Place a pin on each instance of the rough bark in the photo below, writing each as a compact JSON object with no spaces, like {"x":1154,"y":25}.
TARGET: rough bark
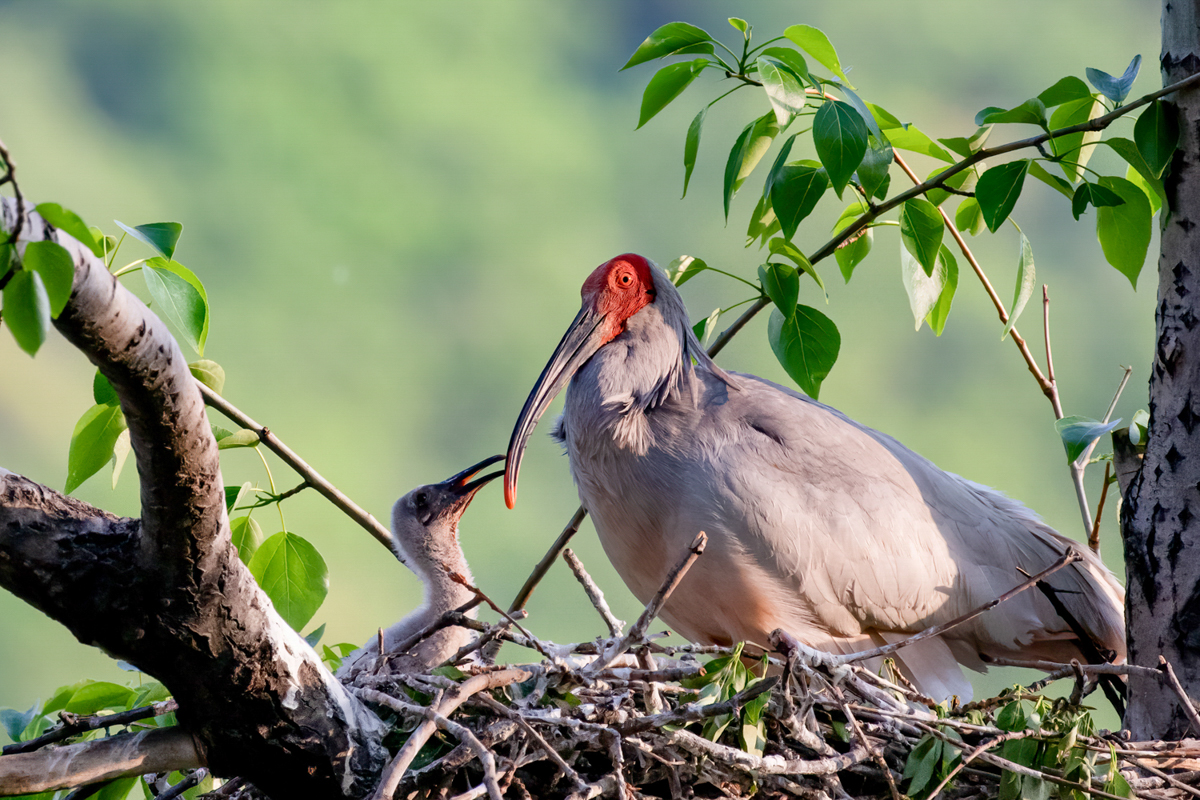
{"x":168,"y":592}
{"x":1161,"y":515}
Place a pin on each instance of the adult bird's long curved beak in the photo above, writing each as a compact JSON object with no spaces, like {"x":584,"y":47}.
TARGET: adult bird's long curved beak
{"x":579,"y":343}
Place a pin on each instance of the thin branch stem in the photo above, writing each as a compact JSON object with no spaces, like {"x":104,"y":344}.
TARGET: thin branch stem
{"x":593,"y":592}
{"x":1094,"y":536}
{"x":298,"y":465}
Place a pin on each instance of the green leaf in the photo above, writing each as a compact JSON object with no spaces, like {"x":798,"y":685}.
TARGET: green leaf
{"x":782,"y":247}
{"x":27,"y":310}
{"x":937,"y":316}
{"x":102,"y":390}
{"x":120,"y":788}
{"x":921,"y":230}
{"x":241,"y":438}
{"x":667,"y":84}
{"x":1115,"y":89}
{"x":162,"y":236}
{"x":963,"y":180}
{"x":921,"y":763}
{"x":1075,"y":149}
{"x":783,"y":89}
{"x":753,"y":142}
{"x":806,"y":344}
{"x":1135,"y":177}
{"x":998,"y":190}
{"x":1156,"y":134}
{"x":1012,"y":717}
{"x":691,"y":146}
{"x":781,"y":283}
{"x":234,"y":495}
{"x":909,"y":137}
{"x":1124,"y":230}
{"x":210,"y":373}
{"x":1068,"y":89}
{"x":790,"y":59}
{"x":851,"y":253}
{"x":668,"y":40}
{"x":1127,"y":150}
{"x":740,"y":24}
{"x":294,"y":576}
{"x":1053,"y":181}
{"x":684,"y":268}
{"x":1026,"y":278}
{"x":967,"y":146}
{"x":925,"y":291}
{"x":314,"y":638}
{"x":780,"y":162}
{"x":817,"y":45}
{"x":840,"y":137}
{"x":180,"y":298}
{"x":795,"y":194}
{"x":705,"y":327}
{"x":93,"y":697}
{"x":247,"y":537}
{"x":92,"y":443}
{"x":1095,"y":195}
{"x":1077,"y":433}
{"x":763,"y":223}
{"x":1031,"y":112}
{"x":69,"y":222}
{"x":873,"y":171}
{"x":969,"y":217}
{"x":121,"y":449}
{"x":54,"y":264}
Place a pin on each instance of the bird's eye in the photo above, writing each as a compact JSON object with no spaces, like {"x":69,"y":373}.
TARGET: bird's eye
{"x":421,"y":500}
{"x":626,"y":279}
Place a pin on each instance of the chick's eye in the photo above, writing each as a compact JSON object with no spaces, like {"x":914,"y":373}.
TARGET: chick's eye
{"x":421,"y":500}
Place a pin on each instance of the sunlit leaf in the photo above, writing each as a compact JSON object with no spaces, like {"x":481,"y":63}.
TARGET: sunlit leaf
{"x":1124,"y":231}
{"x":247,"y":537}
{"x":92,"y":443}
{"x":1031,"y":112}
{"x":1127,"y":150}
{"x":667,"y":40}
{"x":179,"y":298}
{"x":806,"y":345}
{"x":1068,"y":89}
{"x":924,"y":291}
{"x":782,"y":247}
{"x":27,"y":310}
{"x":684,"y":268}
{"x":691,"y":146}
{"x":1026,"y":279}
{"x":235,"y":494}
{"x":210,"y":373}
{"x":937,"y":316}
{"x":69,"y":222}
{"x":121,"y":449}
{"x":54,"y":264}
{"x":162,"y":236}
{"x":102,"y":390}
{"x":968,"y":217}
{"x":667,"y":84}
{"x":1056,"y":183}
{"x":783,"y":89}
{"x":293,"y":574}
{"x":753,"y":142}
{"x":1075,"y":149}
{"x":99,"y":695}
{"x":790,"y":59}
{"x":817,"y":44}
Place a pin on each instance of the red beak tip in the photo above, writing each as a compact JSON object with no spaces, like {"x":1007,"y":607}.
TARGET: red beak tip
{"x":510,"y":495}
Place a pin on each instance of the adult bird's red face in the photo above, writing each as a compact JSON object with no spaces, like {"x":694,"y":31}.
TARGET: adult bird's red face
{"x":612,"y":294}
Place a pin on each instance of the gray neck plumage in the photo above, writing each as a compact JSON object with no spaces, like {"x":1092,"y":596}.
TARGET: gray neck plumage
{"x":656,"y":360}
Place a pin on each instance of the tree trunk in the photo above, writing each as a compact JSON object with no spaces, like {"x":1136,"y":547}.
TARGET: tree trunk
{"x":1161,"y":516}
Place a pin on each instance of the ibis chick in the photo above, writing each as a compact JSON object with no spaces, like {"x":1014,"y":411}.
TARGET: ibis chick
{"x":425,"y":530}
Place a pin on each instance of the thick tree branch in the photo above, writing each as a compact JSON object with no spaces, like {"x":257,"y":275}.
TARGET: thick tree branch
{"x":170,"y":594}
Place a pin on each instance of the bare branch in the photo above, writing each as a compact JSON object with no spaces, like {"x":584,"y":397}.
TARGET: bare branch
{"x":158,"y":750}
{"x":593,"y":592}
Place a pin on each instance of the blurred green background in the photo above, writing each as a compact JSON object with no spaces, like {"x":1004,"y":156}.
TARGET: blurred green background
{"x":393,"y":206}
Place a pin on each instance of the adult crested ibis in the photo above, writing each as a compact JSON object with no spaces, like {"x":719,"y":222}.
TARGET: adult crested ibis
{"x":425,"y":524}
{"x":820,"y":526}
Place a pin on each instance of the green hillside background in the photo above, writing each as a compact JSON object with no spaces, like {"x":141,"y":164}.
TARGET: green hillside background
{"x":393,"y":206}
